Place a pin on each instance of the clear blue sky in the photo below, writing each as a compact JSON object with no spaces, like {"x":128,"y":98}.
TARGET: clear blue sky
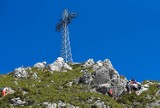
{"x":125,"y":31}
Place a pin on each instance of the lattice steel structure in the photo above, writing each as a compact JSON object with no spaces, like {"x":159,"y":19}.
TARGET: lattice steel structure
{"x":62,"y":26}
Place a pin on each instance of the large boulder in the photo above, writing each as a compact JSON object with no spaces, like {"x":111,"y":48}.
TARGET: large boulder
{"x":20,"y":72}
{"x":104,"y":74}
{"x":119,"y":87}
{"x":59,"y":65}
{"x":40,"y":65}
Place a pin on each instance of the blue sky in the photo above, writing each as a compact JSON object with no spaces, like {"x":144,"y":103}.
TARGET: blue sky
{"x":125,"y":31}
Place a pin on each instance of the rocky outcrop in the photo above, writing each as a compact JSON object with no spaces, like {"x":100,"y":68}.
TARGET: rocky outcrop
{"x":100,"y":104}
{"x":97,"y":103}
{"x":88,"y":63}
{"x":86,"y":78}
{"x":17,"y":102}
{"x":20,"y":72}
{"x":59,"y":65}
{"x":97,"y":65}
{"x":101,"y":76}
{"x":104,"y":74}
{"x":94,"y":103}
{"x":60,"y":104}
{"x":40,"y":65}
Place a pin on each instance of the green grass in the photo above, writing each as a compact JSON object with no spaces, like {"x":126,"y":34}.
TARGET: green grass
{"x":51,"y":87}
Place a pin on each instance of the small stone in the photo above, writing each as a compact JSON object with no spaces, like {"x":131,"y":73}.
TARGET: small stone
{"x":15,"y":82}
{"x":52,"y":81}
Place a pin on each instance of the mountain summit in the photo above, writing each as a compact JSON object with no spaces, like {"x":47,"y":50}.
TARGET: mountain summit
{"x":78,"y":85}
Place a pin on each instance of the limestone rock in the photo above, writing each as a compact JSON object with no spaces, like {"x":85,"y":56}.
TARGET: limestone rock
{"x":104,"y":74}
{"x":158,"y":93}
{"x":88,"y":63}
{"x":100,"y":104}
{"x":17,"y":102}
{"x":35,"y":76}
{"x":101,"y":76}
{"x":66,"y":66}
{"x":59,"y":65}
{"x":86,"y":78}
{"x":70,"y":84}
{"x":20,"y":72}
{"x":97,"y":65}
{"x":40,"y":65}
{"x":107,"y":62}
{"x":61,"y":104}
{"x":53,"y":105}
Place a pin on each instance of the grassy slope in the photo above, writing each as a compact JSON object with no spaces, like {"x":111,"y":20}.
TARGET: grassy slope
{"x":51,"y":88}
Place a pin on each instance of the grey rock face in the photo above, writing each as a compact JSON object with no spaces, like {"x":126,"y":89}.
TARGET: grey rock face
{"x":101,"y":76}
{"x":40,"y":65}
{"x":119,"y":87}
{"x":104,"y":74}
{"x":20,"y":72}
{"x":59,"y":65}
